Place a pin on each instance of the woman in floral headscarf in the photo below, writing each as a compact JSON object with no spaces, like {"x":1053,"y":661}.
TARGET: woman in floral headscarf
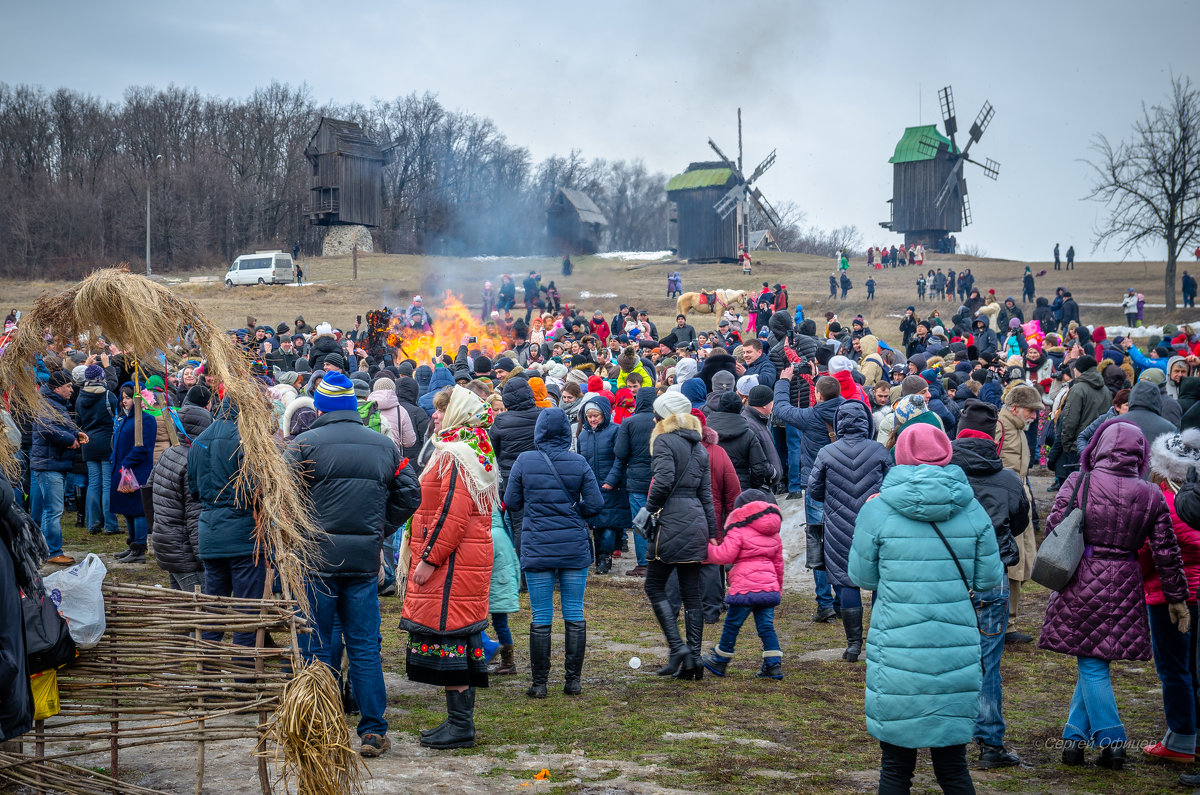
{"x":450,"y":566}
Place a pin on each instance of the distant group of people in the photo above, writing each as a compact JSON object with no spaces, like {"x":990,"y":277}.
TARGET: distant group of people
{"x":884,"y":257}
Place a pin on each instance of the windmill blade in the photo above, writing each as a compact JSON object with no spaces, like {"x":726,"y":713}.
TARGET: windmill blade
{"x":737,"y":172}
{"x":982,"y":121}
{"x":933,"y":145}
{"x":763,"y":206}
{"x":991,"y":169}
{"x":948,"y":185}
{"x":762,"y":167}
{"x":946,"y":100}
{"x":966,"y":211}
{"x":725,"y":206}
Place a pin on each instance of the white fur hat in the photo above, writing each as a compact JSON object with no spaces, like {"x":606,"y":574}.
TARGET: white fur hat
{"x":324,"y":330}
{"x":1173,"y":454}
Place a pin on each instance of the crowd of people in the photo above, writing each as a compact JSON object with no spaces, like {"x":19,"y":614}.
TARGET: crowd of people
{"x":531,"y":458}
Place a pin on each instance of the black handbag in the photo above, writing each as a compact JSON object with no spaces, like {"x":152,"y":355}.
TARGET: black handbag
{"x":48,"y":643}
{"x":651,"y":523}
{"x":975,"y":603}
{"x":814,"y":547}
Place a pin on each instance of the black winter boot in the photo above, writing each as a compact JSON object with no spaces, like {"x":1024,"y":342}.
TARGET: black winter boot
{"x":693,"y":622}
{"x":603,"y":564}
{"x":1074,"y":752}
{"x":1112,"y":758}
{"x":459,"y":729}
{"x":137,"y":554}
{"x":670,"y":630}
{"x":716,"y":660}
{"x":772,"y":666}
{"x":852,"y":621}
{"x":574,"y":644}
{"x":81,"y":506}
{"x":539,"y":659}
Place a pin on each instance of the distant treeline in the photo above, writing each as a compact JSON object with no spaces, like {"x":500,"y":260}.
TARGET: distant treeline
{"x":75,"y":169}
{"x":226,"y":176}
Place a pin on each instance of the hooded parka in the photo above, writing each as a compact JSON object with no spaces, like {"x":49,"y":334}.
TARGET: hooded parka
{"x":681,"y":489}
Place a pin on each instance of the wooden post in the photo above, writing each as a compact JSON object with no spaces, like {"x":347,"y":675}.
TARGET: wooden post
{"x":115,"y":723}
{"x":200,"y":666}
{"x":260,"y":639}
{"x":39,"y":731}
{"x":354,"y":254}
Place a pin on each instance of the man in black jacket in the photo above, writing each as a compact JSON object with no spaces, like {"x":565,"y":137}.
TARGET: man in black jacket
{"x":511,"y":435}
{"x":632,"y":450}
{"x":759,"y":404}
{"x":1002,"y":495}
{"x":363,"y":491}
{"x":737,"y":439}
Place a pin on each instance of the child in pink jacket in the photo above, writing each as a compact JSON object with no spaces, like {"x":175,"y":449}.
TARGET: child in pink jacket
{"x":752,"y":544}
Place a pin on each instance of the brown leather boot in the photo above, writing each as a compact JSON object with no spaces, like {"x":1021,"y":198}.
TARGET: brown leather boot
{"x":506,"y":664}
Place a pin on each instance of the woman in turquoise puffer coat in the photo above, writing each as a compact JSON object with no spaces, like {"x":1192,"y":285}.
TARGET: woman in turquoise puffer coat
{"x":923,"y":672}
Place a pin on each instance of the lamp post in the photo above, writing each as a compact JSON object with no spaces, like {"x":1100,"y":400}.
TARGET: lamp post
{"x":148,"y":175}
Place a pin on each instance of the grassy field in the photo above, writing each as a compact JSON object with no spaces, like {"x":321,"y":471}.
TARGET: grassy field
{"x":392,"y":280}
{"x":634,"y":732}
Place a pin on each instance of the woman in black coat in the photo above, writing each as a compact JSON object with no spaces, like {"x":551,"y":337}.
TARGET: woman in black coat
{"x":176,"y":512}
{"x":681,"y":496}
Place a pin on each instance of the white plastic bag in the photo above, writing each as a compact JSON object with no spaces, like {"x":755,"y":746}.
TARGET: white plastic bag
{"x":76,"y":592}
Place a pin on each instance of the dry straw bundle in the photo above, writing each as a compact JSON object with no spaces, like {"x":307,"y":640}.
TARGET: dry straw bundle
{"x":308,"y":731}
{"x":143,"y":317}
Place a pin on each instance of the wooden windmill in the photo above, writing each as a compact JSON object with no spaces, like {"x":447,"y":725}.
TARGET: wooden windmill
{"x":712,"y":201}
{"x":929,"y":191}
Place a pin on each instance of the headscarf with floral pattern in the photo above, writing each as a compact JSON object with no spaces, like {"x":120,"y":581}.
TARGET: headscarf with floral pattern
{"x":463,"y":442}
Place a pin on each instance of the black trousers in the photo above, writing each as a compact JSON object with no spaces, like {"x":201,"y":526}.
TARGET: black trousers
{"x":657,"y":574}
{"x":712,"y":592}
{"x":949,"y":766}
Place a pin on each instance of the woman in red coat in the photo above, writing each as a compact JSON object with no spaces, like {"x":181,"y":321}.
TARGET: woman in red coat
{"x":450,"y":572}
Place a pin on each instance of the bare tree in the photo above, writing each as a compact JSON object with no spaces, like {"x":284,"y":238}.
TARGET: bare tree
{"x":1151,"y":183}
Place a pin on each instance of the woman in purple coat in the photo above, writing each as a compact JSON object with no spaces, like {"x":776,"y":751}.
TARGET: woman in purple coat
{"x":1100,"y":616}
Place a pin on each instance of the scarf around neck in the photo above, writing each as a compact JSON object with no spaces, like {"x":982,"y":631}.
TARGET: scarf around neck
{"x":463,"y":442}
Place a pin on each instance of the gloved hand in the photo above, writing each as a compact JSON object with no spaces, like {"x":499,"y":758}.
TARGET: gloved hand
{"x":1180,"y":616}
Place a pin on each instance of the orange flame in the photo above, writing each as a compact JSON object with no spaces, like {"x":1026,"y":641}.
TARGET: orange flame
{"x":452,"y":322}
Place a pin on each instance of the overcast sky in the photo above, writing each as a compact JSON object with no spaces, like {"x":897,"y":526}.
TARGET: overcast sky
{"x":830,"y":85}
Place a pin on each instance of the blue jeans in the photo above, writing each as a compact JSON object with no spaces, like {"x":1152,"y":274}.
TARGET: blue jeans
{"x":764,"y":622}
{"x":99,"y":496}
{"x":1093,"y":714}
{"x":993,"y":623}
{"x":1175,"y":661}
{"x":606,"y":540}
{"x":355,"y":603}
{"x":138,"y":530}
{"x":571,"y":584}
{"x":500,"y":624}
{"x":50,"y":486}
{"x":240,"y":577}
{"x":636,"y":503}
{"x":389,"y":559}
{"x":794,"y":481}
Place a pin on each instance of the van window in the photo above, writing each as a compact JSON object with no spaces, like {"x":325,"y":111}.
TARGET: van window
{"x":234,"y":268}
{"x":256,"y":263}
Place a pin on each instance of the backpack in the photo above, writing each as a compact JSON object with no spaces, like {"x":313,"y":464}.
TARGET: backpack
{"x":373,"y":419}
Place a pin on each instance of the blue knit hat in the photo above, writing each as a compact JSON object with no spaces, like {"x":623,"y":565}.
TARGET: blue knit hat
{"x":335,"y":393}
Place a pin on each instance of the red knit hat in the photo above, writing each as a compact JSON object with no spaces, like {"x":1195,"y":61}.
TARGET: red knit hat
{"x":923,"y":444}
{"x":698,"y":414}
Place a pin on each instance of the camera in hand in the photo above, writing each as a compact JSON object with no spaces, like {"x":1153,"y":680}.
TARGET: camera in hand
{"x":472,"y":339}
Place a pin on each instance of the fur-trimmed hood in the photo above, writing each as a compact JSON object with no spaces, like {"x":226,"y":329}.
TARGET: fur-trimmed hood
{"x":1172,"y":455}
{"x":684,"y":424}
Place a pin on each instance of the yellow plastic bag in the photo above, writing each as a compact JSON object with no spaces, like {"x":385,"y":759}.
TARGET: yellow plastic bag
{"x":45,"y":694}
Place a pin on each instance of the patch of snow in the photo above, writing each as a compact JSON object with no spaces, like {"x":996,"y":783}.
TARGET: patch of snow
{"x":1118,"y":303}
{"x":584,"y":295}
{"x":634,"y":255}
{"x":495,"y":258}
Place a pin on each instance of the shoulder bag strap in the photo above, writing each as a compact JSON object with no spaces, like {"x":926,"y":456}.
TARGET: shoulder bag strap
{"x":961,"y":573}
{"x":832,"y":434}
{"x":561,"y":484}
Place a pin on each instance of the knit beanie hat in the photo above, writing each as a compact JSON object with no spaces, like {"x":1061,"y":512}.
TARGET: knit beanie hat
{"x":761,"y":396}
{"x":628,"y":359}
{"x":977,"y":416}
{"x":336,"y":360}
{"x":722,"y":381}
{"x":94,"y":373}
{"x":913,"y":385}
{"x":908,"y":407}
{"x":839,"y":364}
{"x":483,"y":365}
{"x":199,"y":395}
{"x":746,"y":383}
{"x":361,"y":388}
{"x":670,"y":403}
{"x":1085,"y":363}
{"x":79,"y":373}
{"x":336,"y":393}
{"x":578,"y":377}
{"x":383,"y":383}
{"x":504,"y":363}
{"x":59,"y":378}
{"x":405,"y":369}
{"x":823,"y":355}
{"x":923,"y":444}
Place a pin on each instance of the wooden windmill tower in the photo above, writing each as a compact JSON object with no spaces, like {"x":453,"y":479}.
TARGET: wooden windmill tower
{"x":929,"y":192}
{"x":712,"y":205}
